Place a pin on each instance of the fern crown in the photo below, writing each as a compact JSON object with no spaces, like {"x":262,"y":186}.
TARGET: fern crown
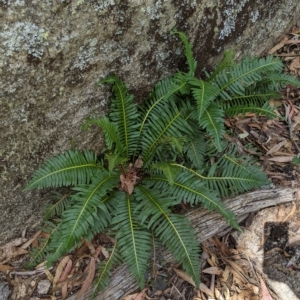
{"x":158,"y":155}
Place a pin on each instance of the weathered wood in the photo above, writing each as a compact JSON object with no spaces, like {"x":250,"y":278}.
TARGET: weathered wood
{"x":206,"y":225}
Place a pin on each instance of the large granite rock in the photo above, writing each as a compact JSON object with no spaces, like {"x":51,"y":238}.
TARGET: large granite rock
{"x":53,"y":51}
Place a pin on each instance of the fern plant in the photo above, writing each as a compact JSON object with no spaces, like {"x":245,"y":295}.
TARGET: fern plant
{"x":166,"y":151}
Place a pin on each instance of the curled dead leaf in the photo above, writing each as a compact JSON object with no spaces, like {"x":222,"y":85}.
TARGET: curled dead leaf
{"x":88,"y":280}
{"x":60,"y":269}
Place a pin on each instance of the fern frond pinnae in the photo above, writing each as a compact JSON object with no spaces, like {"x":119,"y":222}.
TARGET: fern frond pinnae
{"x":134,"y":242}
{"x":69,"y":168}
{"x":226,"y":62}
{"x":188,"y":52}
{"x":111,"y":133}
{"x":59,"y":206}
{"x":124,"y":114}
{"x":173,"y":230}
{"x":78,"y":221}
{"x":235,"y":80}
{"x":265,"y":110}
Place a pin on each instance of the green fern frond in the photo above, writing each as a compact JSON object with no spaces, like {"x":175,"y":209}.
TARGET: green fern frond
{"x":277,"y":81}
{"x":168,"y":170}
{"x":59,"y":206}
{"x":37,"y":255}
{"x":226,"y":62}
{"x":234,"y":80}
{"x":265,"y":110}
{"x":188,"y":52}
{"x":204,"y":93}
{"x":79,"y":220}
{"x":176,"y":143}
{"x":124,"y":114}
{"x":110,"y":130}
{"x":114,"y":160}
{"x":190,"y":189}
{"x":237,"y":175}
{"x":134,"y":242}
{"x":162,"y":94}
{"x":105,"y":269}
{"x":69,"y":168}
{"x":231,"y":175}
{"x":169,"y":123}
{"x":252,"y":95}
{"x":173,"y":230}
{"x":213,"y":122}
{"x":195,"y":149}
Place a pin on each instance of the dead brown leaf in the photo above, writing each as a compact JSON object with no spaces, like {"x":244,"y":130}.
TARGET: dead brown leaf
{"x":66,"y":271}
{"x":64,"y":290}
{"x":276,"y":147}
{"x":295,"y":65}
{"x":213,"y":270}
{"x":4,"y":268}
{"x":30,"y":241}
{"x":126,"y":184}
{"x":183,"y":275}
{"x":10,"y":250}
{"x":60,"y":269}
{"x":264,"y":291}
{"x":138,"y":164}
{"x":89,"y":278}
{"x":278,"y":46}
{"x":136,"y":296}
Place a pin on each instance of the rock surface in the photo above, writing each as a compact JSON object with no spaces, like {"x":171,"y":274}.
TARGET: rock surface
{"x":53,"y":51}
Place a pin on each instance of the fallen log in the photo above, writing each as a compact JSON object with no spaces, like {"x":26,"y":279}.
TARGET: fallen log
{"x":206,"y":225}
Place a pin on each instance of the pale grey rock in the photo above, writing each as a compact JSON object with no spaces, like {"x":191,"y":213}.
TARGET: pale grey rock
{"x":53,"y":51}
{"x":4,"y":291}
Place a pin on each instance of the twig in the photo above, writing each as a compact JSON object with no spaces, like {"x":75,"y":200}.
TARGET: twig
{"x":29,"y":273}
{"x":287,"y":55}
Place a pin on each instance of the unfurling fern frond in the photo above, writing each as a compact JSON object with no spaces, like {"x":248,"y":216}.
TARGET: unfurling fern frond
{"x":134,"y":242}
{"x":188,"y":52}
{"x":124,"y":114}
{"x":105,"y":269}
{"x":173,"y":230}
{"x":69,"y":168}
